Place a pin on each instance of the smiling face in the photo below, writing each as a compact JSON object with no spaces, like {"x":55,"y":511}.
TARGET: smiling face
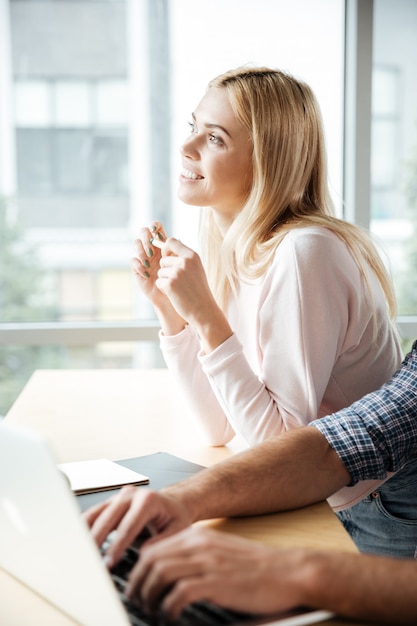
{"x":216,"y":158}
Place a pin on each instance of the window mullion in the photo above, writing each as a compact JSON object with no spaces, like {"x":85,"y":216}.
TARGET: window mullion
{"x":358,"y":91}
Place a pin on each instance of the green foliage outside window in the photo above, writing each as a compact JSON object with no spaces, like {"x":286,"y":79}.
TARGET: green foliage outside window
{"x":21,"y":295}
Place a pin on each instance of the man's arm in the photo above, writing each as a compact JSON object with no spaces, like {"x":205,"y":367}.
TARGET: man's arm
{"x":239,"y":574}
{"x":364,"y":586}
{"x":292,"y":470}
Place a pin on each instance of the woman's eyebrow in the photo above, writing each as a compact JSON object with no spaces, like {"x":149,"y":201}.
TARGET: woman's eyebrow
{"x":213,"y":126}
{"x":219,"y":127}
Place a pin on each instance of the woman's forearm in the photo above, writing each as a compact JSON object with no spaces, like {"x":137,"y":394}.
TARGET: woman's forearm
{"x":171,"y":322}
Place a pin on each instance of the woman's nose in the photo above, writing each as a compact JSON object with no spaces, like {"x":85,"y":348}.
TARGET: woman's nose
{"x":189,"y":148}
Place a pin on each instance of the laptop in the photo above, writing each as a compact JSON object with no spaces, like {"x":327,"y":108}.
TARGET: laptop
{"x":45,"y":543}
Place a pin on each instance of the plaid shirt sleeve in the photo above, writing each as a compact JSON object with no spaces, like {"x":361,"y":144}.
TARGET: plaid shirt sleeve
{"x":377,"y":434}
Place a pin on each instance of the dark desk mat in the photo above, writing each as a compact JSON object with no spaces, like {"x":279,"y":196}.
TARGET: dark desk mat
{"x":162,"y":468}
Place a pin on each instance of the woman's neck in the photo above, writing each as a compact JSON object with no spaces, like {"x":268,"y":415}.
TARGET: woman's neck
{"x":223,"y":223}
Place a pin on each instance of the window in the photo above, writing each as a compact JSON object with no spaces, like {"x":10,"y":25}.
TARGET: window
{"x":385,"y":127}
{"x":94,"y":103}
{"x":394,"y":144}
{"x":71,"y":137}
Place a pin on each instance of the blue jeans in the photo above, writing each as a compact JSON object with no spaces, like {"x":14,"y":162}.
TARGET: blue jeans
{"x":385,"y":522}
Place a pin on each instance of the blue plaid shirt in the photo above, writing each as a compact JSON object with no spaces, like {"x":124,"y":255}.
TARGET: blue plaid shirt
{"x":377,"y":434}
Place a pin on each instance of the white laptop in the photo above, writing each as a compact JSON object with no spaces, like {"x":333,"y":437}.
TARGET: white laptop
{"x":45,"y":543}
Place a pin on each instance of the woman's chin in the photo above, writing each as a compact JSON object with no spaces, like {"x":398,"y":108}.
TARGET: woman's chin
{"x":189,"y":198}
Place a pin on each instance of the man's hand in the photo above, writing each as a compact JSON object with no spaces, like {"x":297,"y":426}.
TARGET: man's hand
{"x":130,"y":512}
{"x":203,"y":564}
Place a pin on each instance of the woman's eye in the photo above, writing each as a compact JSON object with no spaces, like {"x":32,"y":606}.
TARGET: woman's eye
{"x":192,"y":127}
{"x":215,"y":139}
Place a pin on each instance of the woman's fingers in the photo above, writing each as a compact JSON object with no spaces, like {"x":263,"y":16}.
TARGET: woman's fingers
{"x":158,"y":231}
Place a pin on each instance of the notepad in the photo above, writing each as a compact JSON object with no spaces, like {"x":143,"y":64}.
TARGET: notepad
{"x":99,"y":475}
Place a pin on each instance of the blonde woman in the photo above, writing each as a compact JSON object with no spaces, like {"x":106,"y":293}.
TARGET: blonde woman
{"x":288,"y":314}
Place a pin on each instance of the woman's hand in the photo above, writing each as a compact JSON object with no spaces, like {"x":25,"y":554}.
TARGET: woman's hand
{"x":145,"y":266}
{"x":172,"y":276}
{"x":182,"y":279}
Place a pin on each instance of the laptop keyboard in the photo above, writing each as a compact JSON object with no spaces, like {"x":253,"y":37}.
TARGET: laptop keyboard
{"x":199,"y":614}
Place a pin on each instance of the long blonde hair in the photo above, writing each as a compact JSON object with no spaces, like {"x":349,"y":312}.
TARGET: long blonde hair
{"x":289,"y":188}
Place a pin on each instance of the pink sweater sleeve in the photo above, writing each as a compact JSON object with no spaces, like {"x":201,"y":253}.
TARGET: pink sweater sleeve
{"x":180,"y":354}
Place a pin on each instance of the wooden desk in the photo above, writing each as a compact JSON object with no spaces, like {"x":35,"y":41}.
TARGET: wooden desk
{"x":120,"y":414}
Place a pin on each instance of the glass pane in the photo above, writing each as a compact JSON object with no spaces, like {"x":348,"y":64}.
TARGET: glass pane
{"x":72,"y":161}
{"x":114,"y":294}
{"x":112,"y":103}
{"x":32,"y":103}
{"x":110,"y":162}
{"x":34,"y":166}
{"x":385,"y":91}
{"x":76,"y":295}
{"x":384,"y":148}
{"x":72,"y":104}
{"x":304,"y":37}
{"x":394,"y":143}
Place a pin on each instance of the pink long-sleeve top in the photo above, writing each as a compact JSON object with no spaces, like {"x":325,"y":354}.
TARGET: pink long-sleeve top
{"x":306,"y":343}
